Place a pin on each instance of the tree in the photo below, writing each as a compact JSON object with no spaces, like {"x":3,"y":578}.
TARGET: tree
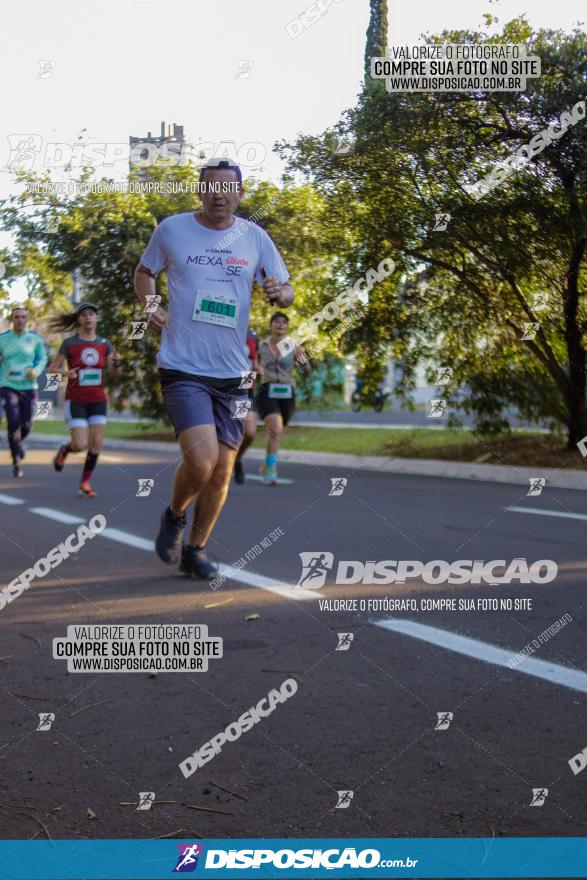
{"x":376,"y":44}
{"x":474,"y":283}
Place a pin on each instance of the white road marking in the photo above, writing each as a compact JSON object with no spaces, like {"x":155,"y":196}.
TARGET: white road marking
{"x":259,"y":479}
{"x":114,"y":534}
{"x":10,"y":499}
{"x":563,"y":675}
{"x":57,"y":515}
{"x":244,"y":577}
{"x":127,"y":538}
{"x":265,"y":583}
{"x":538,"y":512}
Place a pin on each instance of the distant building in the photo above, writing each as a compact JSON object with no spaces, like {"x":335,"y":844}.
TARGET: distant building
{"x":168,"y":135}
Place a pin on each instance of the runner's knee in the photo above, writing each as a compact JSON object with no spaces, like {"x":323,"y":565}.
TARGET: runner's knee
{"x":250,"y":430}
{"x":221,"y":475}
{"x":199,"y":470}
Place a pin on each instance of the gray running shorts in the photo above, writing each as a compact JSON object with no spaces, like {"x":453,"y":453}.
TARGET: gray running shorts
{"x":203,"y":400}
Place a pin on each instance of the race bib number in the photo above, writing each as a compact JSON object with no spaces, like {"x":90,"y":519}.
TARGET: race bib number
{"x":280,"y":391}
{"x":89,"y":376}
{"x":216,"y":308}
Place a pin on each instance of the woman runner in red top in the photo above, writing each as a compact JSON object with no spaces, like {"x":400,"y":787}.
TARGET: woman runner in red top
{"x":86,"y":401}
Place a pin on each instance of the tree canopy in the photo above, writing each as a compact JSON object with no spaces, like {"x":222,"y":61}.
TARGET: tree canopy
{"x":464,"y":297}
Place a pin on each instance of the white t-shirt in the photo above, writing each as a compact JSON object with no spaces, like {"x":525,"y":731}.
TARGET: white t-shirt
{"x":209,"y":279}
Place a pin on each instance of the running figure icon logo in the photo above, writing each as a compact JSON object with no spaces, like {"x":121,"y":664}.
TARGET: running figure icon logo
{"x":441,"y":222}
{"x":344,"y":144}
{"x":146,"y":799}
{"x":530,"y":331}
{"x":240,"y":408}
{"x":152,"y":303}
{"x":344,"y":799}
{"x":46,"y":719}
{"x":23,"y":151}
{"x":444,"y":719}
{"x":537,"y":484}
{"x":443,"y":375}
{"x":338,"y":484}
{"x":315,"y":567}
{"x":137,"y":330}
{"x":437,"y":408}
{"x":244,"y":68}
{"x":52,"y":381}
{"x":344,"y":641}
{"x":247,"y":379}
{"x":43,"y":409}
{"x":145,"y":487}
{"x":539,"y":302}
{"x":539,"y":795}
{"x":46,"y":68}
{"x":189,"y":853}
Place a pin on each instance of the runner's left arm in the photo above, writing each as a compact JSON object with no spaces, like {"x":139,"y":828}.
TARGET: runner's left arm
{"x":39,"y":359}
{"x":272,"y":274}
{"x":301,"y":360}
{"x":281,"y":295}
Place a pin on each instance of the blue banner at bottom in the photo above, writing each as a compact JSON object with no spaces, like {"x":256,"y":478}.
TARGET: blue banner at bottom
{"x":268,"y":859}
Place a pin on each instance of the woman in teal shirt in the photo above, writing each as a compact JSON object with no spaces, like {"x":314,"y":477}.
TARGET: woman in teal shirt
{"x":22,"y":359}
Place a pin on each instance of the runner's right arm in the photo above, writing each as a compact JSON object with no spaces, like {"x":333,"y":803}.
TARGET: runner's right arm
{"x":39,"y":360}
{"x":56,"y":366}
{"x":144,"y":289}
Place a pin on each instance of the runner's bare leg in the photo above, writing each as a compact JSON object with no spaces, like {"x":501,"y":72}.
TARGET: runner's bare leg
{"x":250,"y":433}
{"x":199,"y":449}
{"x":274,"y":430}
{"x":212,"y":497}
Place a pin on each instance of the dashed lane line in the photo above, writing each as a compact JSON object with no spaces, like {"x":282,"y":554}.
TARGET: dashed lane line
{"x":450,"y":641}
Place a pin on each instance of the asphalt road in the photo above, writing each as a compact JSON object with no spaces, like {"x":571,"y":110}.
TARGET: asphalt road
{"x":362,"y":720}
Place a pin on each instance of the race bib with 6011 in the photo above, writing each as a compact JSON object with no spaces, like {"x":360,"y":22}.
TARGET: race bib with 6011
{"x":216,"y":308}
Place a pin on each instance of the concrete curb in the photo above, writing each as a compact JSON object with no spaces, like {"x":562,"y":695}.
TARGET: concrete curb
{"x":421,"y":467}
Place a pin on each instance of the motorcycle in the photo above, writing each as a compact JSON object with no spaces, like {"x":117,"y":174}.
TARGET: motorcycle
{"x":377,"y":401}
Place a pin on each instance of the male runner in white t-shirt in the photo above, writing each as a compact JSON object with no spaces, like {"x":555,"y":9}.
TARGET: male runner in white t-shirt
{"x":211,"y":258}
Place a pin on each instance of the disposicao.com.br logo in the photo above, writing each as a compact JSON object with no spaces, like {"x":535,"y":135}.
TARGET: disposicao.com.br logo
{"x":330,"y":859}
{"x":317,"y":564}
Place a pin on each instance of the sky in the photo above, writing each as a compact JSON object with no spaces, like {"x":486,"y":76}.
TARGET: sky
{"x":120,"y":68}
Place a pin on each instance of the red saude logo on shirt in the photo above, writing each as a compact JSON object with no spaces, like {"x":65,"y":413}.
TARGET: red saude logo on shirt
{"x":237,"y":261}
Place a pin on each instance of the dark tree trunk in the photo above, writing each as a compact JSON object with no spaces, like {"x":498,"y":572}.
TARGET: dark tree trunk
{"x":577,"y":405}
{"x":577,"y":408}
